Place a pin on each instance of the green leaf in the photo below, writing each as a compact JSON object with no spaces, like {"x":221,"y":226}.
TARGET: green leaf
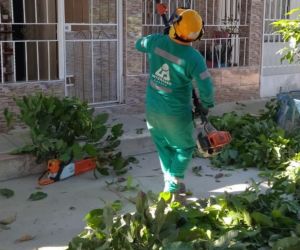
{"x":233,"y":154}
{"x":103,"y":171}
{"x":298,"y":229}
{"x":37,"y":196}
{"x":94,"y":219}
{"x":288,"y":243}
{"x":108,"y":215}
{"x":141,"y":202}
{"x":293,"y":11}
{"x":160,"y":216}
{"x":9,"y":116}
{"x":90,"y":149}
{"x":24,"y":150}
{"x":116,"y":130}
{"x":129,"y":182}
{"x":179,"y":246}
{"x":166,"y":196}
{"x":77,"y":152}
{"x":65,"y":157}
{"x":118,"y":162}
{"x":102,"y":118}
{"x":116,"y":205}
{"x":100,"y":133}
{"x":247,"y":218}
{"x":225,"y":239}
{"x":262,"y":219}
{"x":7,"y":193}
{"x":197,"y":170}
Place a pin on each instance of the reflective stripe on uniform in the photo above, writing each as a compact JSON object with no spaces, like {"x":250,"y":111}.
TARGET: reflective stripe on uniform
{"x":160,"y":88}
{"x":204,"y":75}
{"x":168,"y":56}
{"x":143,"y":43}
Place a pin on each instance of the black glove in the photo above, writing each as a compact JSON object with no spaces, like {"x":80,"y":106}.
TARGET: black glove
{"x":200,"y":111}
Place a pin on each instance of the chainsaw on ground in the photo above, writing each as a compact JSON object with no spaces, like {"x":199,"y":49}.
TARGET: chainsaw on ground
{"x":209,"y":140}
{"x":57,"y":171}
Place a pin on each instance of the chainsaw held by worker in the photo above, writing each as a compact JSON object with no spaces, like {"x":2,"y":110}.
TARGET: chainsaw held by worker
{"x":209,"y":140}
{"x":57,"y":171}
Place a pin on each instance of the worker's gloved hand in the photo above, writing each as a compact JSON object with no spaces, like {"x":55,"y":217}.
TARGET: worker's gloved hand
{"x":201,"y":110}
{"x":161,"y":8}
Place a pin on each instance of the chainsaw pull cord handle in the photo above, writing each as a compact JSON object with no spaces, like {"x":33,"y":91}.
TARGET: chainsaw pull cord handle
{"x":162,"y":10}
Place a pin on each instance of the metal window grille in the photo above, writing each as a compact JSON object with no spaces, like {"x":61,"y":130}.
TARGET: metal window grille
{"x":274,"y":11}
{"x":28,"y":41}
{"x":271,"y":58}
{"x":226,"y":39}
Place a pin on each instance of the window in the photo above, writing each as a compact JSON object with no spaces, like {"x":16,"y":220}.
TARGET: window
{"x":226,"y":43}
{"x":274,"y":10}
{"x":28,"y":41}
{"x":226,"y":39}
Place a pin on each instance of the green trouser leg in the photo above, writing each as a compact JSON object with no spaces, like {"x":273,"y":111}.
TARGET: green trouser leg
{"x":175,"y":144}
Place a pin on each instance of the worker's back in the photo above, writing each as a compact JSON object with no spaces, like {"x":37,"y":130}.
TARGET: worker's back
{"x":171,"y":73}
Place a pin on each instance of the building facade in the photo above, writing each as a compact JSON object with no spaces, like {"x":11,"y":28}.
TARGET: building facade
{"x":86,"y":49}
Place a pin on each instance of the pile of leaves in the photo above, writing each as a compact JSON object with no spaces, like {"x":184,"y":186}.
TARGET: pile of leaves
{"x":257,"y":140}
{"x":67,"y":129}
{"x":250,"y":220}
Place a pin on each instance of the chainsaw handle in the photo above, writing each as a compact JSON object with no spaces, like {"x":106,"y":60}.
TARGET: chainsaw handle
{"x":199,"y":109}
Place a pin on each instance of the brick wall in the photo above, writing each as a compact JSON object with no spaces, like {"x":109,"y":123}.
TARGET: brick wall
{"x":231,"y":84}
{"x":236,"y":84}
{"x":10,"y":91}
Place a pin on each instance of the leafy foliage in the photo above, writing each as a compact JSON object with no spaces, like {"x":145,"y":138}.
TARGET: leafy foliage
{"x":66,"y":129}
{"x":290,"y":31}
{"x":257,"y":140}
{"x":37,"y":196}
{"x":250,"y":220}
{"x":7,"y":193}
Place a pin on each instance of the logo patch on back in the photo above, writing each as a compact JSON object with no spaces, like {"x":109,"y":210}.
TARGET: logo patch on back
{"x":163,"y":74}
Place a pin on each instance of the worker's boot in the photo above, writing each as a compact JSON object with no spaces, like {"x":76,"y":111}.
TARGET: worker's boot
{"x":178,"y":188}
{"x":180,"y":194}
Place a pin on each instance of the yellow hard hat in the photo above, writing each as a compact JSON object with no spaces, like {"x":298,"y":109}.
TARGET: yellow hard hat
{"x":187,"y":25}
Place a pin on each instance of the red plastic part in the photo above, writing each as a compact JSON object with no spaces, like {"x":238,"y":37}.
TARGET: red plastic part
{"x":84,"y":165}
{"x":219,"y":139}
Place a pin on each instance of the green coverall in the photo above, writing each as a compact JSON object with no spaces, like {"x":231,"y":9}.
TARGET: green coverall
{"x":173,"y":67}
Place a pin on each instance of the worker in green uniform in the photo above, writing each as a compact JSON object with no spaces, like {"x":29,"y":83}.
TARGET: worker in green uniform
{"x":174,"y":64}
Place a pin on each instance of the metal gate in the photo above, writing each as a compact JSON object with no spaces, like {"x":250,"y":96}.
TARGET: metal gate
{"x":226,"y":39}
{"x":276,"y":76}
{"x":92,"y":33}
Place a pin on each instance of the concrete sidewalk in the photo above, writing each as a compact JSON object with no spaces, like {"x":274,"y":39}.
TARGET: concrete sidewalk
{"x":53,"y":221}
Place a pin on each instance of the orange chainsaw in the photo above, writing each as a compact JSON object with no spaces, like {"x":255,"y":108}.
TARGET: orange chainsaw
{"x":56,"y":171}
{"x":209,"y":140}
